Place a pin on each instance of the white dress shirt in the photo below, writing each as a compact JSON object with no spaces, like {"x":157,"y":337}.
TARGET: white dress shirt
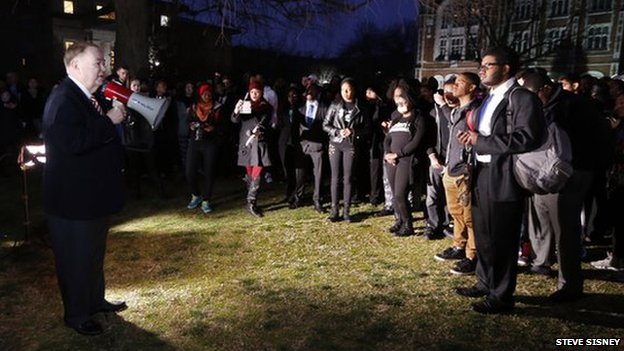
{"x":485,"y":119}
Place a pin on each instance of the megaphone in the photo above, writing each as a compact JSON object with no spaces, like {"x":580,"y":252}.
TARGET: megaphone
{"x":152,"y":109}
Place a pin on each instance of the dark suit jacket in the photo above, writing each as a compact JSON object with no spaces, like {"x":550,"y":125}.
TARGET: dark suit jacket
{"x":526,"y":135}
{"x":313,"y":138}
{"x":83,"y":174}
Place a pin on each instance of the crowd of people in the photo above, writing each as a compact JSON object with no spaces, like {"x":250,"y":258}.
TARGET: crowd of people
{"x":402,"y":145}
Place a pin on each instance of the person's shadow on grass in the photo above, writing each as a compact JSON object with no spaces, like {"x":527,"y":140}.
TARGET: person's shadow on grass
{"x":606,"y":310}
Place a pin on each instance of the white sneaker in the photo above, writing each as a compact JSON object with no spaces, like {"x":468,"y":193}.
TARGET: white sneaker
{"x":608,"y":263}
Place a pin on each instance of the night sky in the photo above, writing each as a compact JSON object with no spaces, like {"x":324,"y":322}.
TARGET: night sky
{"x":326,"y":37}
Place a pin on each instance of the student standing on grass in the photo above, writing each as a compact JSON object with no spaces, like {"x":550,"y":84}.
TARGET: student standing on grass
{"x":204,"y":124}
{"x":344,"y":123}
{"x":457,"y":178}
{"x":408,"y":136}
{"x":82,"y":185}
{"x":254,"y":116}
{"x":497,"y":199}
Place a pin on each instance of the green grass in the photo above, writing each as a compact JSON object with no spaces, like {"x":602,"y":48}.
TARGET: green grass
{"x":289,"y":281}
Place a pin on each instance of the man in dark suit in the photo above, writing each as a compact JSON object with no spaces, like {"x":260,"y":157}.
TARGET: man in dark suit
{"x":312,"y":139}
{"x":83,"y":185}
{"x":498,"y":200}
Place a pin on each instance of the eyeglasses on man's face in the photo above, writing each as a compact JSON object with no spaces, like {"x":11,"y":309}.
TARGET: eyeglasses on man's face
{"x":488,"y":65}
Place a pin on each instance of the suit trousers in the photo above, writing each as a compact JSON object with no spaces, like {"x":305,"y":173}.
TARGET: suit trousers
{"x":463,"y":231}
{"x":497,"y":233}
{"x":557,"y":221}
{"x":79,"y":247}
{"x":317,"y":170}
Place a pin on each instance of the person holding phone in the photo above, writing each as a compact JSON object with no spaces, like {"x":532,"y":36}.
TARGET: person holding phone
{"x":254,"y":115}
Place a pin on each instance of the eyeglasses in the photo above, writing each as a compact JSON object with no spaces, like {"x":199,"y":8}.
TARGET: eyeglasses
{"x":487,"y":66}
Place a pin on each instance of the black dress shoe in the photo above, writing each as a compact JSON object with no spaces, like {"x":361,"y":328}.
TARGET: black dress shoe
{"x":384,"y":212}
{"x":90,"y":327}
{"x":561,"y":296}
{"x":473,"y":291}
{"x":114,"y":306}
{"x":318,"y":207}
{"x":489,"y":307}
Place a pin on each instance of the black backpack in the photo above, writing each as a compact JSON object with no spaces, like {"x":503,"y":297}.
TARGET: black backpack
{"x":546,"y":169}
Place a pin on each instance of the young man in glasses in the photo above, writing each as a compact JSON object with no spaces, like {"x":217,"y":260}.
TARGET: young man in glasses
{"x":498,"y":200}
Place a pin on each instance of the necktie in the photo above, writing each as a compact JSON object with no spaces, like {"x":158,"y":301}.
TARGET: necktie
{"x":97,"y":106}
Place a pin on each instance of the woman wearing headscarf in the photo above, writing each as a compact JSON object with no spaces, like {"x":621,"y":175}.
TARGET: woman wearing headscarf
{"x":408,"y":136}
{"x":203,"y":124}
{"x":345,"y":124}
{"x":254,"y":115}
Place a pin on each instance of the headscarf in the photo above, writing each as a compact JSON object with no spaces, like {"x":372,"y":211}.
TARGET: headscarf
{"x":203,"y":108}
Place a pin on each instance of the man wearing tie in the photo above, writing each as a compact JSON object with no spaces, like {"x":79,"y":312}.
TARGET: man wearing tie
{"x":497,"y":203}
{"x":83,"y":185}
{"x":312,"y":140}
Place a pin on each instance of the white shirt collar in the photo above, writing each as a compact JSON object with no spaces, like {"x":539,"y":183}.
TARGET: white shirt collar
{"x":502,"y":89}
{"x":81,"y":86}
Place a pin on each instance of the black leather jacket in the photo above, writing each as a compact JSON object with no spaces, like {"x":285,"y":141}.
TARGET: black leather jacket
{"x":334,"y":122}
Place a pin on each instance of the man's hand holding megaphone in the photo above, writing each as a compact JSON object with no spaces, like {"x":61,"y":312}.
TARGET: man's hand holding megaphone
{"x":152,"y":109}
{"x":118,"y":113}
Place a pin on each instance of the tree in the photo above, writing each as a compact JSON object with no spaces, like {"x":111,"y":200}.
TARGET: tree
{"x":134,"y":40}
{"x":131,"y":41}
{"x":380,"y":50}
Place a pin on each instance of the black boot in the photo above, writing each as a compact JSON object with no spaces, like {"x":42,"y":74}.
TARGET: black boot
{"x":345,"y":215}
{"x":318,"y":207}
{"x":253,"y":210}
{"x":252,"y":192}
{"x":397,"y":224}
{"x":406,"y":228}
{"x":333,"y":215}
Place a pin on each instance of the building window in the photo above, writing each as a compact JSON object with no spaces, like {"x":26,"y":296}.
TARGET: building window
{"x":599,"y":5}
{"x":68,"y":7}
{"x":457,"y":49}
{"x":164,"y":21}
{"x":598,"y":38}
{"x":524,"y":44}
{"x":559,"y":8}
{"x":442,"y":55}
{"x":523,"y":9}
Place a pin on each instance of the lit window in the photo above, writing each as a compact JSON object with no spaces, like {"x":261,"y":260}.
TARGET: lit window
{"x":68,"y":7}
{"x":68,"y":43}
{"x":164,"y":21}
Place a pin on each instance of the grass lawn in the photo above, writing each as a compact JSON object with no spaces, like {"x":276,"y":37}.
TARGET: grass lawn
{"x":289,"y":281}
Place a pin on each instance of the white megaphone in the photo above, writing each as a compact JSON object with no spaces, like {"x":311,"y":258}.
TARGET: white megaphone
{"x":152,"y":109}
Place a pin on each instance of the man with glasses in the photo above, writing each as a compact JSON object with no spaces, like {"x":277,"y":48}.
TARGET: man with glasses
{"x":497,"y":198}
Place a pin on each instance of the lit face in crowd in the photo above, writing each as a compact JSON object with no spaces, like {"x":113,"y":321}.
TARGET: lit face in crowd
{"x":402,"y":104}
{"x":492,"y":72}
{"x":188,"y":89}
{"x":346,"y":91}
{"x":293,"y":98}
{"x":207,"y":96}
{"x":122,"y":73}
{"x":88,"y":68}
{"x":135,"y":85}
{"x":463,"y":87}
{"x":255,"y":94}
